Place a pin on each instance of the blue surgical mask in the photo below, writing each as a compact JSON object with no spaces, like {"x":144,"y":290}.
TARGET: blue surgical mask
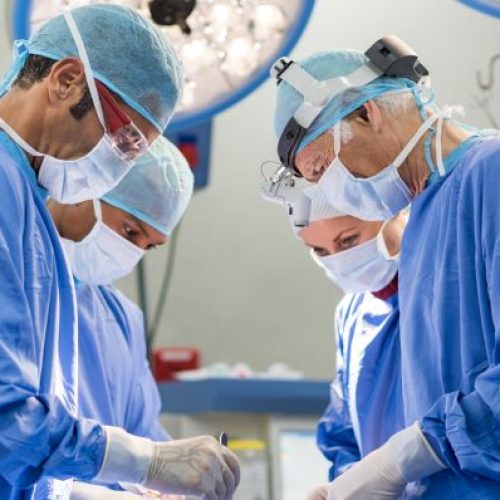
{"x":365,"y":268}
{"x":379,"y":197}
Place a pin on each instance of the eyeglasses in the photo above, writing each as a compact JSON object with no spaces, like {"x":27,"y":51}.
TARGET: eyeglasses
{"x":126,"y":138}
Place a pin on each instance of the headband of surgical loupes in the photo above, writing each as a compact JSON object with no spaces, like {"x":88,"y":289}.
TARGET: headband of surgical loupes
{"x":390,"y":56}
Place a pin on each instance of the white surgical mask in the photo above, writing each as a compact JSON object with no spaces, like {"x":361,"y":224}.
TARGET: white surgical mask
{"x":365,"y":268}
{"x":381,"y":196}
{"x":103,"y":256}
{"x":89,"y":177}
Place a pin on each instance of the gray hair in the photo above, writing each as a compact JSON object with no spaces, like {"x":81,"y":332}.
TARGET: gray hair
{"x":394,"y":103}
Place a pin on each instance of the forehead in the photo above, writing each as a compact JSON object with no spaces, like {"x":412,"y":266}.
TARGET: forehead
{"x":114,"y":216}
{"x":322,"y":232}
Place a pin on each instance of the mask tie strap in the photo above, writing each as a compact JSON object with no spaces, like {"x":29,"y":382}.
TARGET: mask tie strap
{"x":439,"y":148}
{"x":428,"y":149}
{"x":18,"y":139}
{"x":82,"y":52}
{"x":414,"y":140}
{"x":445,"y":115}
{"x":382,"y":245}
{"x":97,"y":210}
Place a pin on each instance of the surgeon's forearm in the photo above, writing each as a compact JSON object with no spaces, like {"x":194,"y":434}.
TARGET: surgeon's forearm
{"x":335,"y":436}
{"x":38,"y":436}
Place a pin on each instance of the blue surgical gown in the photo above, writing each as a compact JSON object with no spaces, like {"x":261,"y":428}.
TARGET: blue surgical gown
{"x":450,"y":324}
{"x":366,"y":405}
{"x":116,"y":384}
{"x":39,"y":429}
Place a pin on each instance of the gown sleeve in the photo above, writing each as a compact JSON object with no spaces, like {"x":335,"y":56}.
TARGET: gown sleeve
{"x":463,"y":427}
{"x":335,"y":434}
{"x":144,"y":407}
{"x":38,"y":433}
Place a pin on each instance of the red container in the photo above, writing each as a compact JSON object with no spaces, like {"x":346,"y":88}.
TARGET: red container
{"x":167,"y":361}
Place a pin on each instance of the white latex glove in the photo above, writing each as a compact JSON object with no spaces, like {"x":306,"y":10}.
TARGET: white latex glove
{"x":85,"y":491}
{"x":198,"y":466}
{"x":384,"y":473}
{"x":319,"y":493}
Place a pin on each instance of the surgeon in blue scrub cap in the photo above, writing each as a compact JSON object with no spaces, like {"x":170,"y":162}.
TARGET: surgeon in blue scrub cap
{"x":104,"y":240}
{"x":83,"y":100}
{"x":373,"y":150}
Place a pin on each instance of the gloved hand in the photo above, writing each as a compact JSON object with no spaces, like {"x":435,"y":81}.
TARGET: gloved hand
{"x":85,"y":491}
{"x":384,"y":473}
{"x":319,"y":493}
{"x":198,"y":466}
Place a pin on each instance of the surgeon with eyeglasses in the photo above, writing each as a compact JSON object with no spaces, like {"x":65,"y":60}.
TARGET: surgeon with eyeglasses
{"x":82,"y":100}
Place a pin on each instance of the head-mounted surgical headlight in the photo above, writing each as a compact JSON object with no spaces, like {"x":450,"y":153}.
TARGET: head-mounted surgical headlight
{"x":282,"y":188}
{"x":390,"y":56}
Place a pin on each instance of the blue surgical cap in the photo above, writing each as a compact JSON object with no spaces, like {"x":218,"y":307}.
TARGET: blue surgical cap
{"x":157,"y":189}
{"x":125,"y":51}
{"x":324,"y":66}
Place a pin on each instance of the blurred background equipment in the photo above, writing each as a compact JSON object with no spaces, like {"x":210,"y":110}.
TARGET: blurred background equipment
{"x":271,"y":424}
{"x":486,"y":82}
{"x":485,"y":100}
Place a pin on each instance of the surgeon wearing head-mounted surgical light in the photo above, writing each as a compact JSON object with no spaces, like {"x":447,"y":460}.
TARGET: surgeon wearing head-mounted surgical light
{"x":375,"y":141}
{"x":379,"y":144}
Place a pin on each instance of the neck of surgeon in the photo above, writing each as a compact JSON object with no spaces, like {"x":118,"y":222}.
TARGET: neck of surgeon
{"x":415,"y":170}
{"x":59,"y":139}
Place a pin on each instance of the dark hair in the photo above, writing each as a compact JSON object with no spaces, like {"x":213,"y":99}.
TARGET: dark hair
{"x":36,"y":68}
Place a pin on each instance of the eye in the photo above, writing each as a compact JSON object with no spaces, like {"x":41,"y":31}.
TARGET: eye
{"x":348,"y":242}
{"x":129,"y":231}
{"x":320,"y":252}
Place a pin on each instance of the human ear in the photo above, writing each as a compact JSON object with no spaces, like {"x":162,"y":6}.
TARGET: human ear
{"x":66,"y":81}
{"x":369,"y":115}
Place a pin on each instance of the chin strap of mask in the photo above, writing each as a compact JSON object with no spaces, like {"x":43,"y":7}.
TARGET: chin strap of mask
{"x":389,"y":56}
